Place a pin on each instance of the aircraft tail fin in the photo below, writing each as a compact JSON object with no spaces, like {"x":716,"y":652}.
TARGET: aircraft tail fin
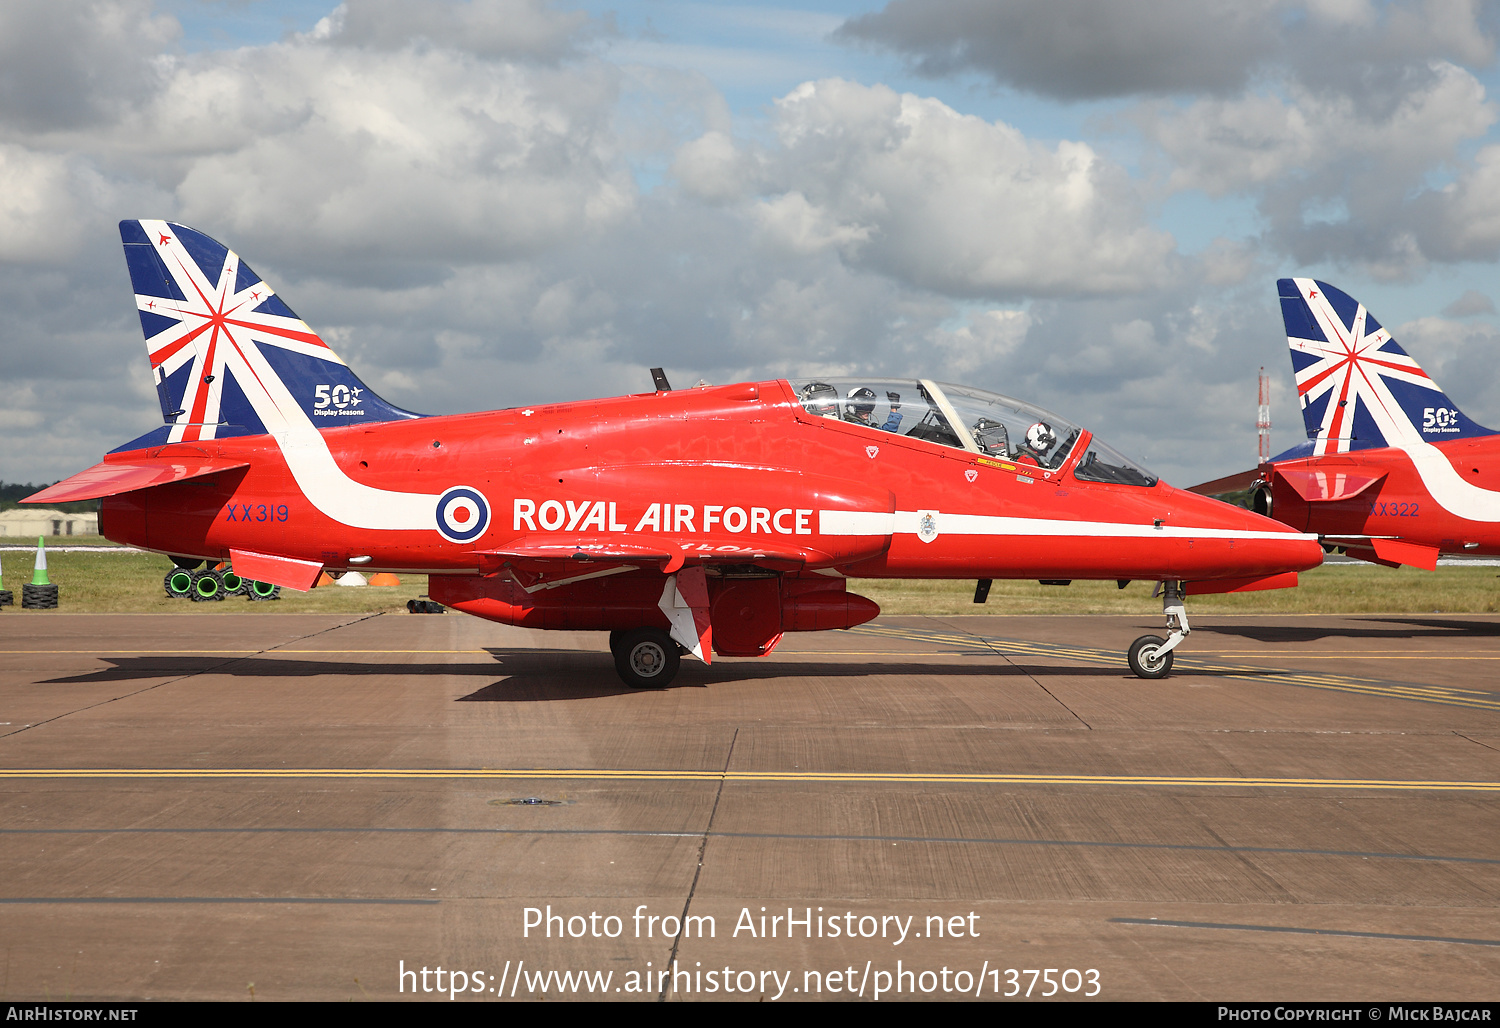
{"x":1357,"y":388}
{"x":228,"y":356}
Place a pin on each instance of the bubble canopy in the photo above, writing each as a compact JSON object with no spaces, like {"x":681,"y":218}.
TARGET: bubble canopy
{"x":970,"y":419}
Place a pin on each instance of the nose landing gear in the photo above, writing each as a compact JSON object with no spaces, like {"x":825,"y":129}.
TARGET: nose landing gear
{"x":1150,"y":656}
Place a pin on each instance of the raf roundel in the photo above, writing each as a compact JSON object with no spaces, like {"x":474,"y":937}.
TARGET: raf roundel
{"x":462,"y":514}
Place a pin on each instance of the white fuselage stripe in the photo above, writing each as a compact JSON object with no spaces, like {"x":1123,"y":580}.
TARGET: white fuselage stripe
{"x":1452,"y":492}
{"x":906,"y":522}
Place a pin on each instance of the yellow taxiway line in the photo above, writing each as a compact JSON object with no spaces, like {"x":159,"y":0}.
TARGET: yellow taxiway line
{"x":840,"y":777}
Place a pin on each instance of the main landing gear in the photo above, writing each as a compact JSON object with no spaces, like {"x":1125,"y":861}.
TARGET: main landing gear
{"x":1150,"y":656}
{"x":645,"y":658}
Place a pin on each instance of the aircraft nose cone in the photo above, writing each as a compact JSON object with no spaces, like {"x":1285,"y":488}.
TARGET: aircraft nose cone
{"x":1237,"y":543}
{"x":1299,"y":553}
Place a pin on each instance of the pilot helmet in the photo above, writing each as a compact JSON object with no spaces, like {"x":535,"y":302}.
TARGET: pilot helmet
{"x":861,"y":404}
{"x":821,"y":399}
{"x":1040,"y":438}
{"x":992,"y":437}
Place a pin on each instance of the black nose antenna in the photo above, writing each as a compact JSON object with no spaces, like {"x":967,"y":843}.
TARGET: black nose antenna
{"x":659,"y":377}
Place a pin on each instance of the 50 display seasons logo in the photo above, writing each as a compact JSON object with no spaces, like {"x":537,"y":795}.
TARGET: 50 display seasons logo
{"x":337,"y":401}
{"x":1440,"y":419}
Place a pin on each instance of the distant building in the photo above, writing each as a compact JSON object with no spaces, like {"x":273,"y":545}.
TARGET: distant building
{"x":26,"y":522}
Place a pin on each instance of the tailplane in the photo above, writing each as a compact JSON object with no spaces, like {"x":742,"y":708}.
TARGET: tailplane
{"x":228,"y":356}
{"x":1358,"y":389}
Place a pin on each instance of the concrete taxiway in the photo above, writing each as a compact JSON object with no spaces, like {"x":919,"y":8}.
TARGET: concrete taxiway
{"x":304,"y":807}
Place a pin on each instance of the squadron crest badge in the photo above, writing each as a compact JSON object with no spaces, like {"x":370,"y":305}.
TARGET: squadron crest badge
{"x":927,"y":526}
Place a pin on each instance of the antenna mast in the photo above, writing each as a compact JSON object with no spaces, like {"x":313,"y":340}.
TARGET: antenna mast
{"x":1263,"y":417}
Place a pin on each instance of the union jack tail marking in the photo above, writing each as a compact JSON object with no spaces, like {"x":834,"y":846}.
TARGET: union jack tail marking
{"x":227,"y":355}
{"x":1358,"y":389}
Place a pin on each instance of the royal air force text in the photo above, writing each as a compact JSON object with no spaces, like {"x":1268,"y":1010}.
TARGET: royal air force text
{"x":604,"y":516}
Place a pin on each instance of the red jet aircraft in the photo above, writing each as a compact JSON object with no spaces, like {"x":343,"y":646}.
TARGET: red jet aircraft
{"x":713,"y":519}
{"x":1392,"y":472}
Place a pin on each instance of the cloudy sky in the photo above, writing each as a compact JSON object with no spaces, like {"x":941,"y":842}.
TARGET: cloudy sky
{"x":1081,"y":203}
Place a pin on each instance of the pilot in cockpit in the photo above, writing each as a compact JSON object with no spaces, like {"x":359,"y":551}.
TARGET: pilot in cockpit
{"x":860,"y":409}
{"x":1040,"y":438}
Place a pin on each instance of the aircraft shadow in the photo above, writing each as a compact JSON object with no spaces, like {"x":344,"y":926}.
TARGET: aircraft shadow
{"x":126,"y":669}
{"x":593,"y":675}
{"x":559,"y":674}
{"x":1414,"y":627}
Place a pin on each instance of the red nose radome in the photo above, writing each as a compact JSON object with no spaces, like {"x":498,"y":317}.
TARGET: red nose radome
{"x":1227,"y":543}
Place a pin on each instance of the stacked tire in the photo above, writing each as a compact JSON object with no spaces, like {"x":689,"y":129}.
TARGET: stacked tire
{"x":178,"y":583}
{"x":39,"y":597}
{"x":258,"y":591}
{"x":211,"y":585}
{"x":207,"y":587}
{"x":7,"y":598}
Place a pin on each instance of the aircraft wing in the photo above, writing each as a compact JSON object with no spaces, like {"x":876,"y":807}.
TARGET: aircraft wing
{"x":1391,"y":552}
{"x":1398,"y":551}
{"x":287,"y":572}
{"x":1286,"y":580}
{"x":668,"y":554}
{"x":112,"y":477}
{"x":1228,"y":484}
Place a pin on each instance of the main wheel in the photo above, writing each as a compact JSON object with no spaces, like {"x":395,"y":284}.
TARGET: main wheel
{"x":206,"y":586}
{"x":1146,"y":661}
{"x":178,"y":583}
{"x":646,"y":658}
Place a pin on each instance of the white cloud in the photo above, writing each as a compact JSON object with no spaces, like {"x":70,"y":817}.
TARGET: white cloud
{"x":1461,"y":221}
{"x":1223,"y":146}
{"x":506,"y":29}
{"x":1340,"y":179}
{"x":908,"y":187}
{"x":38,"y":194}
{"x":67,"y":64}
{"x":986,"y":337}
{"x":1075,"y":49}
{"x":1472,"y":302}
{"x":398,"y":156}
{"x":791,"y":222}
{"x":1336,"y":116}
{"x":1226,"y":262}
{"x":1079,"y":48}
{"x":712,"y":168}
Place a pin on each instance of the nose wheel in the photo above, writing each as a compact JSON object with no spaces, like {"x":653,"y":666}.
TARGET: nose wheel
{"x":1147,"y":657}
{"x":1150,"y":656}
